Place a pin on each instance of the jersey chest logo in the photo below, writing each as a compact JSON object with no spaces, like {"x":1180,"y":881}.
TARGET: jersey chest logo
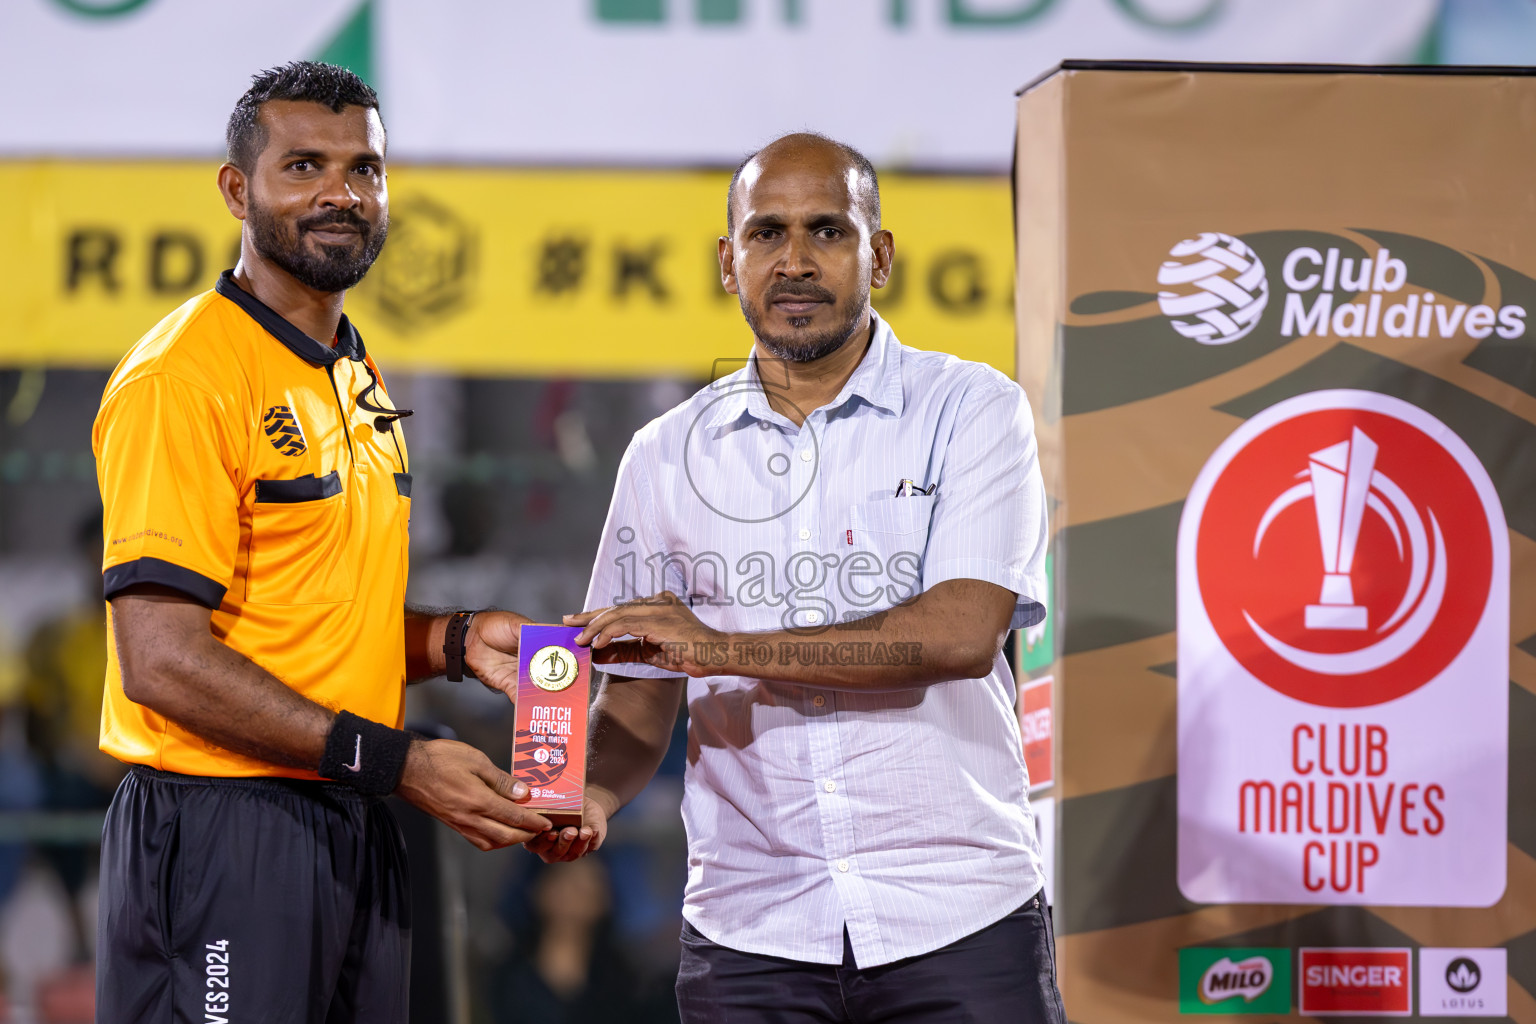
{"x":282,"y":429}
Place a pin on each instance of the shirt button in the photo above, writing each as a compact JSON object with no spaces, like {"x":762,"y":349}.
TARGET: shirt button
{"x":805,"y":456}
{"x":805,"y":533}
{"x":813,"y":617}
{"x":829,"y":786}
{"x":819,"y":701}
{"x":842,"y":865}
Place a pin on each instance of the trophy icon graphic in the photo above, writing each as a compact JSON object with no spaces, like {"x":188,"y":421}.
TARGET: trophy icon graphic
{"x":1341,"y":483}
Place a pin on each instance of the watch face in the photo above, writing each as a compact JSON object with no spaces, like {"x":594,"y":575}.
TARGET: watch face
{"x":553,"y":668}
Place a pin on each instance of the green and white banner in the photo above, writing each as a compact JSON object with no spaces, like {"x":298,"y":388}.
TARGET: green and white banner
{"x":916,"y":83}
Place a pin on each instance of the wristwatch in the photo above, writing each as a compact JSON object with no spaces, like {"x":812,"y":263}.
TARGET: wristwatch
{"x":453,"y":645}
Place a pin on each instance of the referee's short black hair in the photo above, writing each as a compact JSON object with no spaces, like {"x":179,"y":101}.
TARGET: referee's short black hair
{"x":312,"y":81}
{"x":869,"y":183}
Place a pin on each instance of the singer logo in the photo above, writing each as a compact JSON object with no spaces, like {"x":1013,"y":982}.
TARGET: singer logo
{"x":1035,"y":727}
{"x":1335,"y":526}
{"x":1356,"y":982}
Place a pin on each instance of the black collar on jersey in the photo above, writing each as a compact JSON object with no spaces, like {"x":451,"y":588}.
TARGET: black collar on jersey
{"x":349,"y":344}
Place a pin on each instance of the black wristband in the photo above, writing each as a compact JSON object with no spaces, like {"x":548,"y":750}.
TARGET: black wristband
{"x":454,"y":639}
{"x":366,"y":755}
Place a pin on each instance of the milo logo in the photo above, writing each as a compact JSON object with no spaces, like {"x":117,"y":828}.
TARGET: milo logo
{"x":1248,"y":978}
{"x":1235,"y":980}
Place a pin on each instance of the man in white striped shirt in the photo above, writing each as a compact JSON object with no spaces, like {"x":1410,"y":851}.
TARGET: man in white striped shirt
{"x":831,"y":543}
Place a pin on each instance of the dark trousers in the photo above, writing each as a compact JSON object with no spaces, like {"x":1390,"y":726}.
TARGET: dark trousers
{"x":1004,"y":973}
{"x":250,"y":900}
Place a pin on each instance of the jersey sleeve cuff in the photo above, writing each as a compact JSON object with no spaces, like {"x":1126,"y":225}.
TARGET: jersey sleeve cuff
{"x":1028,"y":610}
{"x":195,"y":585}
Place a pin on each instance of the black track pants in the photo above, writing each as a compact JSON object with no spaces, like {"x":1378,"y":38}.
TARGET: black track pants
{"x":1003,"y":974}
{"x":268,"y":900}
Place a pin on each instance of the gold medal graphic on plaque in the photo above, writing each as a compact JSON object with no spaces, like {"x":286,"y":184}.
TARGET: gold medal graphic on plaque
{"x":553,"y":668}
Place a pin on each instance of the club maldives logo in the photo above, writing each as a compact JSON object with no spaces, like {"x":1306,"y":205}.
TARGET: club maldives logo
{"x":282,"y":429}
{"x":1213,"y":288}
{"x":1213,"y":980}
{"x":1333,"y":526}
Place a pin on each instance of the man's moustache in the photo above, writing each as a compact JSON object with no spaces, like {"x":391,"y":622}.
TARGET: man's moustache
{"x":800,"y":292}
{"x":341,"y":218}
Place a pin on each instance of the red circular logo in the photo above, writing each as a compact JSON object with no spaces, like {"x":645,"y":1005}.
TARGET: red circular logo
{"x":1344,"y":554}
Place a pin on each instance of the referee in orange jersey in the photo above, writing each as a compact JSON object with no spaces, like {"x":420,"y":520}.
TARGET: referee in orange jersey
{"x":257,"y":494}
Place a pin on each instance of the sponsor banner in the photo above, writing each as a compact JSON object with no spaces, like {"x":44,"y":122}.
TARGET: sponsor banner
{"x":493,"y":272}
{"x":947,"y":69}
{"x":1343,"y":612}
{"x":1235,"y":980}
{"x":1282,"y":346}
{"x":1038,"y":651}
{"x":1356,"y":982}
{"x":1043,"y":808}
{"x":1463,"y":982}
{"x":1038,"y":729}
{"x":181,"y":63}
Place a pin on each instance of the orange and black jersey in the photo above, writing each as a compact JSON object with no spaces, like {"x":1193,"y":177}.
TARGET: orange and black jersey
{"x":242,"y":463}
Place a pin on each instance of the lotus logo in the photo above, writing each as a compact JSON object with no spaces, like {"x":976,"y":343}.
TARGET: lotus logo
{"x":1462,"y":974}
{"x":1248,"y":978}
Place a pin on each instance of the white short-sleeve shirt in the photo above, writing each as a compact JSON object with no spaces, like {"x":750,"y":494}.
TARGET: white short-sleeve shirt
{"x":899,"y":815}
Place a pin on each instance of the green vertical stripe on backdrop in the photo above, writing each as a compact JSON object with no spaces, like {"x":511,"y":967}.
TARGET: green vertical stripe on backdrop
{"x":1428,"y":50}
{"x":631,"y":10}
{"x":718,"y":11}
{"x":352,"y":45}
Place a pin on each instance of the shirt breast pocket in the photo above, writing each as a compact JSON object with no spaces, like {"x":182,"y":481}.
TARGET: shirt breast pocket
{"x":895,"y":532}
{"x":298,"y":543}
{"x":894,"y":517}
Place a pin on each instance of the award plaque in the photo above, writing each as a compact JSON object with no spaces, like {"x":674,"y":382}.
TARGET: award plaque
{"x":549,"y":751}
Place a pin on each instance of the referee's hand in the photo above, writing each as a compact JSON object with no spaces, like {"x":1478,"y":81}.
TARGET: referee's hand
{"x":459,"y":786}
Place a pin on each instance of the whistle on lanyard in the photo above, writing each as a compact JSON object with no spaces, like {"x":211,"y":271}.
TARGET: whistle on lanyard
{"x":384,"y":421}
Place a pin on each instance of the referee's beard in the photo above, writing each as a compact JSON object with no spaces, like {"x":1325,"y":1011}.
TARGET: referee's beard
{"x":325,"y":268}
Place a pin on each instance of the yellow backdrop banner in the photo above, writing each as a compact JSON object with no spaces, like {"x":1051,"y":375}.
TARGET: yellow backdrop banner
{"x":495,"y":272}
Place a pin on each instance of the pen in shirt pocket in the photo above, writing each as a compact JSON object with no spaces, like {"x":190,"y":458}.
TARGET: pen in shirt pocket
{"x":907,"y":489}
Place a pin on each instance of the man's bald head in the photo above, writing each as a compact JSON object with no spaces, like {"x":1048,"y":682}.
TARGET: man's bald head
{"x":866,"y":186}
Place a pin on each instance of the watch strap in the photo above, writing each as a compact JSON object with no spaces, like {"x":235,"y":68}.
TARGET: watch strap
{"x":454,"y":640}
